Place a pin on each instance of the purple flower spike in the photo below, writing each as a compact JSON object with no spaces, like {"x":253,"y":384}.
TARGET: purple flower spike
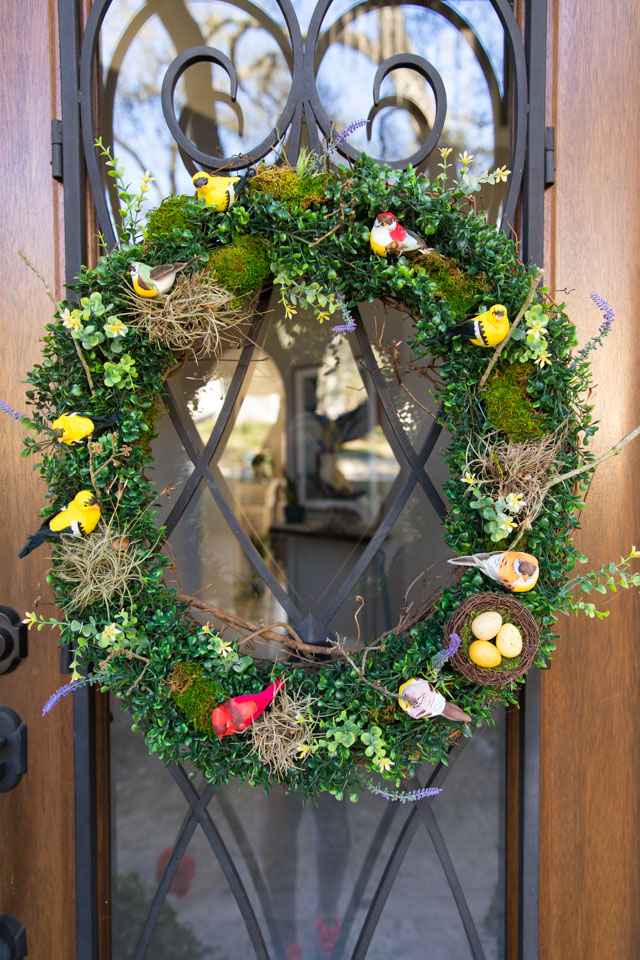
{"x":65,"y":690}
{"x":345,"y":327}
{"x":605,"y":327}
{"x":447,"y":652}
{"x":4,"y":406}
{"x":402,"y":796}
{"x":346,"y":133}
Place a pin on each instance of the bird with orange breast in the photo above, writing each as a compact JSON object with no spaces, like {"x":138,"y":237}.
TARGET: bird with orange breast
{"x":235,"y":715}
{"x":515,"y":571}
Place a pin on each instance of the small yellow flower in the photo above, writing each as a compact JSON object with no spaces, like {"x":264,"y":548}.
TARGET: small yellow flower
{"x":71,"y":321}
{"x":634,"y":552}
{"x":384,"y":763}
{"x":304,"y":749}
{"x":537,"y":329}
{"x":206,"y":629}
{"x":323,"y":316}
{"x":469,"y":478}
{"x":501,"y":173}
{"x":115,"y":328}
{"x":445,"y":151}
{"x":289,"y":310}
{"x":543,"y":359}
{"x":30,"y":618}
{"x":465,"y":158}
{"x":146,"y":181}
{"x":225,"y":648}
{"x":111,"y":633}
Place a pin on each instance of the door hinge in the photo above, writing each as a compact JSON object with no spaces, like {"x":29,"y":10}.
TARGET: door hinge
{"x":13,"y":639}
{"x":56,"y":150}
{"x":549,"y":156}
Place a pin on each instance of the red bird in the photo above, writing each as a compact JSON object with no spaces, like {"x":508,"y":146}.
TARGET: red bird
{"x":235,"y":715}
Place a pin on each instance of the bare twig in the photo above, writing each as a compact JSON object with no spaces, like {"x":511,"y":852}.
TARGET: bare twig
{"x":615,"y":449}
{"x":535,"y":281}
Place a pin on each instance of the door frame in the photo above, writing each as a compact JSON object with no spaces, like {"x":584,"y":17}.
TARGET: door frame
{"x":90,"y":710}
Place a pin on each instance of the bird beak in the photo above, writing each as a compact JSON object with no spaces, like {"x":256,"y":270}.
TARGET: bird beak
{"x":201,"y":182}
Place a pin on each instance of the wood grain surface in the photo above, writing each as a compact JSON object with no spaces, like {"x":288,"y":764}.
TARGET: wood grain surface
{"x":36,"y":831}
{"x":590,"y":863}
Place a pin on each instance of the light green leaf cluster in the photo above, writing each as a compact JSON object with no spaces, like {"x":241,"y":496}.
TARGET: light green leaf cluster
{"x":531,"y":338}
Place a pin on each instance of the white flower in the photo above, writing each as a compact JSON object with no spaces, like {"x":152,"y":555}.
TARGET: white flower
{"x":384,"y":763}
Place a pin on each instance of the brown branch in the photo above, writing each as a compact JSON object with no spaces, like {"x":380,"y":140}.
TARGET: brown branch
{"x":615,"y":449}
{"x":85,"y":365}
{"x":535,"y":281}
{"x":293,"y":642}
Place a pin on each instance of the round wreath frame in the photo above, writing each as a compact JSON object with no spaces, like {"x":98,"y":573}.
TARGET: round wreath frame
{"x":315,"y":228}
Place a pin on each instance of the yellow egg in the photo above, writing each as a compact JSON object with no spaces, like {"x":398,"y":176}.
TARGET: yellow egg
{"x":509,"y":640}
{"x":486,"y":625}
{"x":484,"y":654}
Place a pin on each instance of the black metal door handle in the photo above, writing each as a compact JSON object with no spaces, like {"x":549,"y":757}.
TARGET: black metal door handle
{"x":13,"y":751}
{"x":13,"y":640}
{"x":13,"y":939}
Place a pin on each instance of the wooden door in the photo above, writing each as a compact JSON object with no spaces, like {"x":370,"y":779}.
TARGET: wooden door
{"x":37,"y":832}
{"x":590,"y":762}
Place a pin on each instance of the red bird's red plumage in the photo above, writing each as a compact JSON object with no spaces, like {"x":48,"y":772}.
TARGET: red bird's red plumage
{"x":235,"y":715}
{"x":398,"y":234}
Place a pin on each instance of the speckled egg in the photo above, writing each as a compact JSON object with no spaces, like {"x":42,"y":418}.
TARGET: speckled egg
{"x":484,"y":654}
{"x":509,"y":640}
{"x":486,"y":625}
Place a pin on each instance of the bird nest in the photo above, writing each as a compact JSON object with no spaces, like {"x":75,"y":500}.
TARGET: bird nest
{"x":196,"y":315}
{"x":284,"y":734}
{"x":512,"y":611}
{"x":102,"y":568}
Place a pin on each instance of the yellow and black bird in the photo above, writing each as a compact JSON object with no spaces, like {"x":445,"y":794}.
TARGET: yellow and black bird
{"x":72,"y":428}
{"x":219,"y":192}
{"x":488,"y":329}
{"x":80,"y":517}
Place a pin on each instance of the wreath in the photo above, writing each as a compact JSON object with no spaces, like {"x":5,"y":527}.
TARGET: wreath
{"x":185,"y":279}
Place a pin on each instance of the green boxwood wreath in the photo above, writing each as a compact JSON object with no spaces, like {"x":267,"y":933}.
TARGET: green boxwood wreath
{"x":314,"y":240}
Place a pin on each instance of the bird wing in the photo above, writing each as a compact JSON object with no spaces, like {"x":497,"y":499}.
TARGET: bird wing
{"x":143,"y":284}
{"x":158,"y":274}
{"x":398,"y":233}
{"x":243,"y":713}
{"x":414,"y":236}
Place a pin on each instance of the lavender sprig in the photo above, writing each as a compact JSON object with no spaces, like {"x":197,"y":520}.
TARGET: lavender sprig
{"x":338,"y":140}
{"x":349,"y":324}
{"x":605,"y":327}
{"x":68,"y":688}
{"x":4,"y":406}
{"x":402,"y":796}
{"x":442,"y":656}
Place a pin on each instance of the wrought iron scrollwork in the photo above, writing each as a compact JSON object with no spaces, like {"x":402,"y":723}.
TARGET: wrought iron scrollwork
{"x":303,"y":104}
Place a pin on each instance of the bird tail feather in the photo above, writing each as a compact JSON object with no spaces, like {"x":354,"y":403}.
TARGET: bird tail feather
{"x":33,"y":541}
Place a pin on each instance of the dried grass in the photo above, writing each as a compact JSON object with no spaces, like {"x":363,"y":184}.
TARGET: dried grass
{"x":196,"y":315}
{"x":505,"y":467}
{"x":278,"y":735}
{"x":100,"y":568}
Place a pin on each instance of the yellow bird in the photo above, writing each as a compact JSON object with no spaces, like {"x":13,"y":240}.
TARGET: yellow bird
{"x":488,"y":329}
{"x":219,"y":192}
{"x":72,"y":428}
{"x":80,"y":517}
{"x":150,"y":281}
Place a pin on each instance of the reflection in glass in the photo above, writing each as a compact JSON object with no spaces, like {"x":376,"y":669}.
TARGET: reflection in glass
{"x":310,"y":871}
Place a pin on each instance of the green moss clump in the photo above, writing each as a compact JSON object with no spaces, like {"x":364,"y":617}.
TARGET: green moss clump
{"x":241,"y":267}
{"x":284,"y":184}
{"x":508,"y":406}
{"x":194,"y":695}
{"x":460,"y":290}
{"x":172,"y":214}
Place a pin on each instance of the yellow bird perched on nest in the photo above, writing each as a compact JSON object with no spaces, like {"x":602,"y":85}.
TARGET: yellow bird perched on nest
{"x":81,"y":516}
{"x":150,"y":281}
{"x":219,"y":192}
